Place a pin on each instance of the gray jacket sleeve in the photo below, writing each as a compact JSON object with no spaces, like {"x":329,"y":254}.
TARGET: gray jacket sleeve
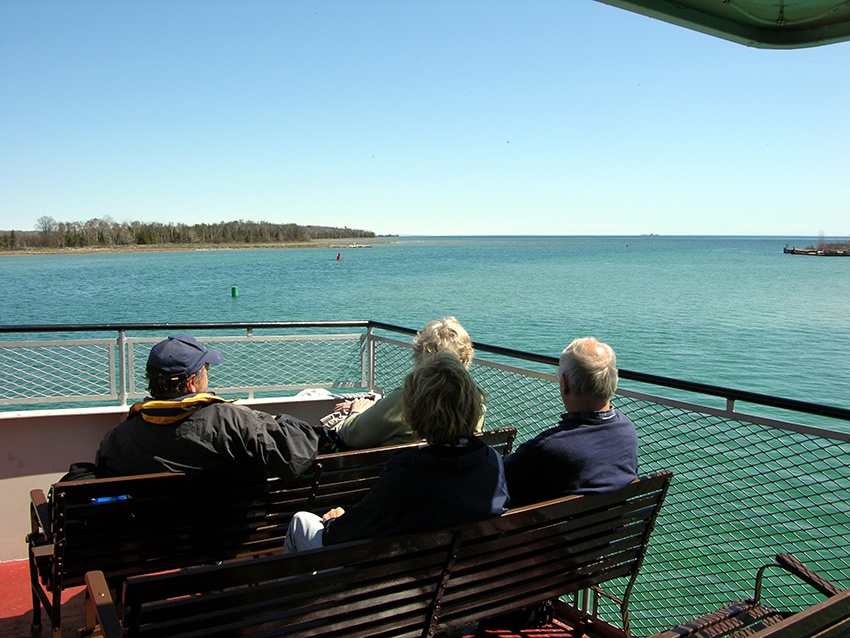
{"x":284,"y":445}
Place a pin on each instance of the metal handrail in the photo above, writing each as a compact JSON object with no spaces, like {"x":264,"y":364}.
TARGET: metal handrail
{"x":729,"y":394}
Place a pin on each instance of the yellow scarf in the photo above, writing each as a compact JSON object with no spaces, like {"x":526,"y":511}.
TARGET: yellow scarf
{"x":169,"y":411}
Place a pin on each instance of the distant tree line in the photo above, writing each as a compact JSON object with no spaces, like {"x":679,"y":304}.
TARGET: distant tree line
{"x":105,"y":232}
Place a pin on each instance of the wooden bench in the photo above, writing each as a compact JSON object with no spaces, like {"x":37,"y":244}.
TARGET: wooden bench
{"x":417,"y":585}
{"x":827,"y":619}
{"x":127,"y":526}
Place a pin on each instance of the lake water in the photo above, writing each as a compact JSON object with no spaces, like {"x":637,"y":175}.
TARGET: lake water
{"x":730,"y":311}
{"x":735,"y":312}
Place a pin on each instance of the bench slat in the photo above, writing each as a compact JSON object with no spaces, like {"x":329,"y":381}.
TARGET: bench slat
{"x":297,"y":591}
{"x":828,"y":619}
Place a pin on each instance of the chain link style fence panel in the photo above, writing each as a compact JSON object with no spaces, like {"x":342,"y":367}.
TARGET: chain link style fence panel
{"x":742,"y":492}
{"x":54,"y":371}
{"x":267,"y":366}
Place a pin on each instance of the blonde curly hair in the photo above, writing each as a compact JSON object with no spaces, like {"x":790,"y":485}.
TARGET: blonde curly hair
{"x":443,"y":335}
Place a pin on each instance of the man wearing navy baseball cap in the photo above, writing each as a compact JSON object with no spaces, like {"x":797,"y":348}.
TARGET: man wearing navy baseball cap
{"x":181,"y":427}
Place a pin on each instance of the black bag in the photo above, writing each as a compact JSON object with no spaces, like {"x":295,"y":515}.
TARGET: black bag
{"x":85,"y":471}
{"x":82,"y":471}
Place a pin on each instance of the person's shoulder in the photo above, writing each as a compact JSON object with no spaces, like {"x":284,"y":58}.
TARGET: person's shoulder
{"x":547,"y":435}
{"x":623,"y":418}
{"x":412,"y":457}
{"x":546,"y":443}
{"x":235,"y":411}
{"x":414,"y":452}
{"x":222,"y":406}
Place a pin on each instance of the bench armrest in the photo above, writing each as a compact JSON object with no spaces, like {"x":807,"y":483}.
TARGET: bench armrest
{"x":794,"y":566}
{"x":40,"y":513}
{"x":100,"y":608}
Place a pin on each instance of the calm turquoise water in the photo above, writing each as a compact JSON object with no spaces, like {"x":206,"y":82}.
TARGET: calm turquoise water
{"x":727,"y":311}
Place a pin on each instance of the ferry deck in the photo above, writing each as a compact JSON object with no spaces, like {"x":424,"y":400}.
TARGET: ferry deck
{"x":753,"y":475}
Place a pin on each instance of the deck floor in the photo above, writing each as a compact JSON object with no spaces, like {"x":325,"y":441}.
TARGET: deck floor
{"x":16,"y":604}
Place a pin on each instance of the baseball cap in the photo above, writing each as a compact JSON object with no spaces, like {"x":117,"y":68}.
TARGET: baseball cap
{"x":181,"y":355}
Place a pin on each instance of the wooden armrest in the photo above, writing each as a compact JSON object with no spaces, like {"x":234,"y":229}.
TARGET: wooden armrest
{"x":791,"y":564}
{"x":42,"y":551}
{"x":41,"y":512}
{"x":830,"y":617}
{"x":100,"y":609}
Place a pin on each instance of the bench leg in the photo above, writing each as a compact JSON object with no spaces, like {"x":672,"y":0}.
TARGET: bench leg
{"x":36,"y":601}
{"x":56,"y":612}
{"x":36,"y":611}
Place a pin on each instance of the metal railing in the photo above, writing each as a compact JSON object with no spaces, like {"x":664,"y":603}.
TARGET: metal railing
{"x":71,"y":372}
{"x":745,"y":486}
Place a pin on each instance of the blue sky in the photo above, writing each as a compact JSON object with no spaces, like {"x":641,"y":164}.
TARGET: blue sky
{"x":435,"y":118}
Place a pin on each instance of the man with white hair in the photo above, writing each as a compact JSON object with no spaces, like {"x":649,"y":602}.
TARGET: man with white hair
{"x":592,"y":449}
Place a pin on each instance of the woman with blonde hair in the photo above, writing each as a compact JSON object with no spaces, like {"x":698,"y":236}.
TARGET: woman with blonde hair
{"x":375,"y":424}
{"x":452,"y":479}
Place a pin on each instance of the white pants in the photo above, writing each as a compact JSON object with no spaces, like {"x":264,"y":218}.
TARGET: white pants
{"x":305,"y":531}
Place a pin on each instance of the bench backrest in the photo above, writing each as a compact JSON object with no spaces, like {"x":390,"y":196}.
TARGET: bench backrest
{"x":136,"y":525}
{"x":409,"y":586}
{"x":341,"y":479}
{"x":139,"y":525}
{"x":367,"y":588}
{"x":345,"y":477}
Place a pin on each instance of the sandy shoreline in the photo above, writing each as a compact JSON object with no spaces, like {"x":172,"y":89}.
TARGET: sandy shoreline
{"x":338,"y":243}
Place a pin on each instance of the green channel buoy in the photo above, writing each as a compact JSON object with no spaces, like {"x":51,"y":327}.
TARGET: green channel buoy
{"x":234,"y":291}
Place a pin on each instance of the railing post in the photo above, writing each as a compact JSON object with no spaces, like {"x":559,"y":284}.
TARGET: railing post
{"x":122,"y":369}
{"x":370,"y":361}
{"x":249,"y":332}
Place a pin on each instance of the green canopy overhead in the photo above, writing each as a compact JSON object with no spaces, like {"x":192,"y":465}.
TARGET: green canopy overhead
{"x":769,"y":24}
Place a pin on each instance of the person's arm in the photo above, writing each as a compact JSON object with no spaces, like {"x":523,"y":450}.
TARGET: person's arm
{"x":355,"y":406}
{"x":376,"y":515}
{"x":382,"y":424}
{"x":286,"y":446}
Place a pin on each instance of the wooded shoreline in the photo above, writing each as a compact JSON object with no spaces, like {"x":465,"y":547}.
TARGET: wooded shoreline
{"x":107,"y":234}
{"x":336,"y":243}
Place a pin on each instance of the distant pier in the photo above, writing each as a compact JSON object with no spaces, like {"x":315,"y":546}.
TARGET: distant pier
{"x":817,"y":252}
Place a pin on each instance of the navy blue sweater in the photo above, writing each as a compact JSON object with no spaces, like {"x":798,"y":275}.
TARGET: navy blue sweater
{"x":586,"y":452}
{"x":425,"y":489}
